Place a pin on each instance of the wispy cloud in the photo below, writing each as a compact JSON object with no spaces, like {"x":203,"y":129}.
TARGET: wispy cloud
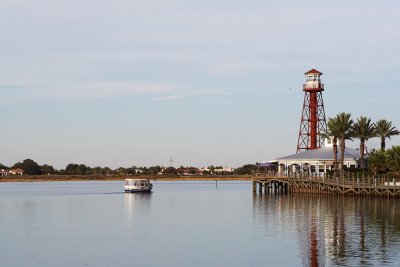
{"x":237,"y":69}
{"x":110,"y":90}
{"x":156,"y":91}
{"x":188,"y":94}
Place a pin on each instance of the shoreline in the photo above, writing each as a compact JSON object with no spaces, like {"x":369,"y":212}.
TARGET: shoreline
{"x":67,"y":178}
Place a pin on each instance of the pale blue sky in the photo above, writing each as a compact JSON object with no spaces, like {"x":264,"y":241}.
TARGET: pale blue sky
{"x":122,"y":83}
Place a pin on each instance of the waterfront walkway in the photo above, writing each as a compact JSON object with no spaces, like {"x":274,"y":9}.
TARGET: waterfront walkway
{"x":349,"y":184}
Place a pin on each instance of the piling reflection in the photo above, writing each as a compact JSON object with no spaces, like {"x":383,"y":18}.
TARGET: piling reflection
{"x":334,"y":230}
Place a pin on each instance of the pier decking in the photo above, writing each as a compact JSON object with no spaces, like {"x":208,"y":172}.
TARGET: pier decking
{"x":347,"y":185}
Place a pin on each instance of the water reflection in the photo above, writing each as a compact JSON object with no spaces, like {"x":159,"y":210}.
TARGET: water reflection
{"x":137,"y":202}
{"x":334,"y":230}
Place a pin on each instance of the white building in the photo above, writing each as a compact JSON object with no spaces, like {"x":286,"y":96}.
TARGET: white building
{"x":17,"y":171}
{"x":218,"y":169}
{"x":221,"y":169}
{"x":317,"y":161}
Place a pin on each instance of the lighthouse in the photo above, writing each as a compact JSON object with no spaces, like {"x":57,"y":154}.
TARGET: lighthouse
{"x":313,"y":120}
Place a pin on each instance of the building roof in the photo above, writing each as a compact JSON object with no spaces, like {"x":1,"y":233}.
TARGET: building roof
{"x":266,"y":164}
{"x":313,"y":71}
{"x":323,"y":153}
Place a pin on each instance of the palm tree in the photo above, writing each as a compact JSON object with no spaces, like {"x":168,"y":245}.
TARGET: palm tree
{"x":394,"y":158}
{"x":363,"y":129}
{"x":344,"y":125}
{"x":378,"y":161}
{"x":384,"y":129}
{"x":332,"y":132}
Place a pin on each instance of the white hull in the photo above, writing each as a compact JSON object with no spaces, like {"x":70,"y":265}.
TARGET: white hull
{"x":145,"y":190}
{"x":138,"y":186}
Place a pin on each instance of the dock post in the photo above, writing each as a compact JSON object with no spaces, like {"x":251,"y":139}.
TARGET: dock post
{"x":260,"y":188}
{"x":254,"y":186}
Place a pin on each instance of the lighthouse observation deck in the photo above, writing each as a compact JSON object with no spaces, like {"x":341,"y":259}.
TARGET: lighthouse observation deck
{"x":315,"y":86}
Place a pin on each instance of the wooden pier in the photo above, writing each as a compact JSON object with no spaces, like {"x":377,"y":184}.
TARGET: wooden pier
{"x":349,"y":184}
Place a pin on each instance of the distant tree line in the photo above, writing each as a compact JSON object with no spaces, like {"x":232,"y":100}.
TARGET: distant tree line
{"x":247,"y":169}
{"x":30,"y":167}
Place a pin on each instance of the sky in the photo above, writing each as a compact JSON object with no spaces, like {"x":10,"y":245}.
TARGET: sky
{"x":136,"y":83}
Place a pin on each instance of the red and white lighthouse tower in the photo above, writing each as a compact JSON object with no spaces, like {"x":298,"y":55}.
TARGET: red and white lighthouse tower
{"x":313,"y":120}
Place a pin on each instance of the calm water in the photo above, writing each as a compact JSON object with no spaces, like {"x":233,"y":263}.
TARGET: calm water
{"x":191,"y":224}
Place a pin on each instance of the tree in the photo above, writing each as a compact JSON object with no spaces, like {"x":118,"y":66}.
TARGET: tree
{"x":344,"y":125}
{"x":71,"y":168}
{"x":96,"y":170}
{"x":383,"y":161}
{"x":47,"y":169}
{"x":378,"y":161}
{"x":170,"y":171}
{"x":29,"y":167}
{"x":153,"y":170}
{"x":3,"y":167}
{"x":76,"y":169}
{"x":81,"y":170}
{"x":246,"y":169}
{"x":363,"y":129}
{"x":332,"y":131}
{"x":192,"y":170}
{"x":106,"y":171}
{"x":384,"y":129}
{"x":131,"y":170}
{"x":393,"y":156}
{"x":212,"y":169}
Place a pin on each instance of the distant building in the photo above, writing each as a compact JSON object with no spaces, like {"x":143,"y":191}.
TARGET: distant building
{"x":223,"y":170}
{"x":189,"y":171}
{"x":17,"y":171}
{"x":218,"y":169}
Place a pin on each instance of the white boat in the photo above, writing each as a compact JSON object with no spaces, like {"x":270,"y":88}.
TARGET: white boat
{"x":137,"y":185}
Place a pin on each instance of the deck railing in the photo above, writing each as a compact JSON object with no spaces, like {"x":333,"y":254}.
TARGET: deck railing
{"x":349,"y":179}
{"x":314,"y":86}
